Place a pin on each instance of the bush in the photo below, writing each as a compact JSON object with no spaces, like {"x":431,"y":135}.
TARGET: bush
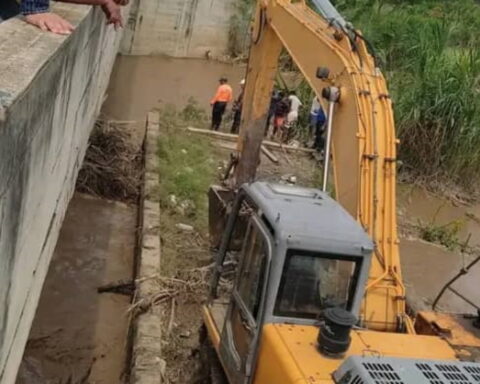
{"x":238,"y":34}
{"x":432,"y":61}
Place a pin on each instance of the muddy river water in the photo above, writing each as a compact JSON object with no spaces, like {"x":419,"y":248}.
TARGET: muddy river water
{"x":427,"y":267}
{"x":78,"y":332}
{"x":139,"y":84}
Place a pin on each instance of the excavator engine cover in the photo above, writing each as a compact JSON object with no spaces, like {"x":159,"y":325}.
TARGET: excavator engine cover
{"x":372,"y":370}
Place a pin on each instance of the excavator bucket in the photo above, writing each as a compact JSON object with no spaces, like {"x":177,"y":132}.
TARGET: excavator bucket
{"x":220,"y":200}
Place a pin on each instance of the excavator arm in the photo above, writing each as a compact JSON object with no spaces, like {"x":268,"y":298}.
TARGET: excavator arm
{"x":334,"y":60}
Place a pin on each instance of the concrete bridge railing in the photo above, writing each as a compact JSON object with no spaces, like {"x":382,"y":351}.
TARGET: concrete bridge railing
{"x":51,"y":90}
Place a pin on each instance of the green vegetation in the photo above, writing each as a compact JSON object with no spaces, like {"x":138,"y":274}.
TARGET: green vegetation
{"x":238,"y":34}
{"x":431,"y":57}
{"x":446,"y":235}
{"x":187,"y":165}
{"x":443,"y":234}
{"x":193,"y":113}
{"x":430,"y":53}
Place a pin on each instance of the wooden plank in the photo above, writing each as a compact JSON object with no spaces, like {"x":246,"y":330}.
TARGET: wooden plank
{"x":269,"y":154}
{"x":208,"y":132}
{"x":225,"y":145}
{"x":266,"y":143}
{"x":272,"y":144}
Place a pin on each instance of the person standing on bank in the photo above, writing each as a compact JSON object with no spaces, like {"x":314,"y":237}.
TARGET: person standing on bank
{"x":237,"y":109}
{"x":219,"y":102}
{"x":317,"y":124}
{"x":295,"y":105}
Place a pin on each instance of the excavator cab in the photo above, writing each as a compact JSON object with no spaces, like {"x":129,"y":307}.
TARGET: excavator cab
{"x":302,"y":253}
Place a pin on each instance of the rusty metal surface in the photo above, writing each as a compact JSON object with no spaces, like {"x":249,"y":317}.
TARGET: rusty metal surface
{"x":457,"y":330}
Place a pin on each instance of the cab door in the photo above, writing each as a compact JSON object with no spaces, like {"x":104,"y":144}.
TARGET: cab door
{"x":242,"y":327}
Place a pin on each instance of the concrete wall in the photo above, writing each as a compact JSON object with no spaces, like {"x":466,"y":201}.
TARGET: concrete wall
{"x":178,"y":28}
{"x":51,"y":90}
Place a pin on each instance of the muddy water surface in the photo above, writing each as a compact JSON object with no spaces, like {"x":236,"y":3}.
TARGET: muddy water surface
{"x":422,"y":206}
{"x":139,"y":84}
{"x":77,"y":333}
{"x":428,"y":267}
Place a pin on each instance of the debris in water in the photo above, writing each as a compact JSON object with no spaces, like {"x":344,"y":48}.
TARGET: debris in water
{"x":123,"y":287}
{"x":113,"y":165}
{"x":172,"y":201}
{"x":186,"y":208}
{"x":186,"y":334}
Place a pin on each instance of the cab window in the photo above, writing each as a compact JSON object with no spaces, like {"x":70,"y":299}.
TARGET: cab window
{"x":312,"y":282}
{"x":252,"y":275}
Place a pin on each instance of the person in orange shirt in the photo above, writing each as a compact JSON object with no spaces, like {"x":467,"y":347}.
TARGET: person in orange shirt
{"x":219,"y":102}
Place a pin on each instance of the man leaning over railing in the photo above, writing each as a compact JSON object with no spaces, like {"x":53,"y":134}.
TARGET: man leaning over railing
{"x":37,"y":13}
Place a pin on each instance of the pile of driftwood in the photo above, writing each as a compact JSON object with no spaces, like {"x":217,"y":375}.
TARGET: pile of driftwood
{"x":112,"y":167}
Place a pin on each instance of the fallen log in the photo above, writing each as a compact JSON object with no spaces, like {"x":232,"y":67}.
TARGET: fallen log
{"x":208,"y":132}
{"x":225,"y":144}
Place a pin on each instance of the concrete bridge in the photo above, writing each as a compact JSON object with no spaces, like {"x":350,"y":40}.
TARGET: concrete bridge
{"x":51,"y":91}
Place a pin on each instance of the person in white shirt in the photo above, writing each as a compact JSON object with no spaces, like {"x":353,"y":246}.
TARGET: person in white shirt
{"x":295,"y":105}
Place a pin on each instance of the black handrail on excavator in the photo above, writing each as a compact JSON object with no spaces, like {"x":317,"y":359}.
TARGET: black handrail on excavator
{"x":448,"y":286}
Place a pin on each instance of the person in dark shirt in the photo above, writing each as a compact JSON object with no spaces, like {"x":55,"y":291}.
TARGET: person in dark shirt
{"x":237,"y":109}
{"x":317,"y":124}
{"x":276,"y":97}
{"x":282,"y":107}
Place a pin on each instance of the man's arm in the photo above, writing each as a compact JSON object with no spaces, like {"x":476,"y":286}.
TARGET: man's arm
{"x":36,"y":12}
{"x":215,"y":98}
{"x":109,"y":7}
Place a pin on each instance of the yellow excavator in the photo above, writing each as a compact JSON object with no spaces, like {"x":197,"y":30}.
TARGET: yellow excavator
{"x":318,"y":295}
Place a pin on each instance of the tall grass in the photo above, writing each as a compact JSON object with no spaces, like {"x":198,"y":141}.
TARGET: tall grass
{"x":239,"y":31}
{"x":431,"y":55}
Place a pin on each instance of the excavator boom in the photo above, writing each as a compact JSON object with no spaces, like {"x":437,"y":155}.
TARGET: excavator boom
{"x":318,"y":294}
{"x":332,"y":56}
